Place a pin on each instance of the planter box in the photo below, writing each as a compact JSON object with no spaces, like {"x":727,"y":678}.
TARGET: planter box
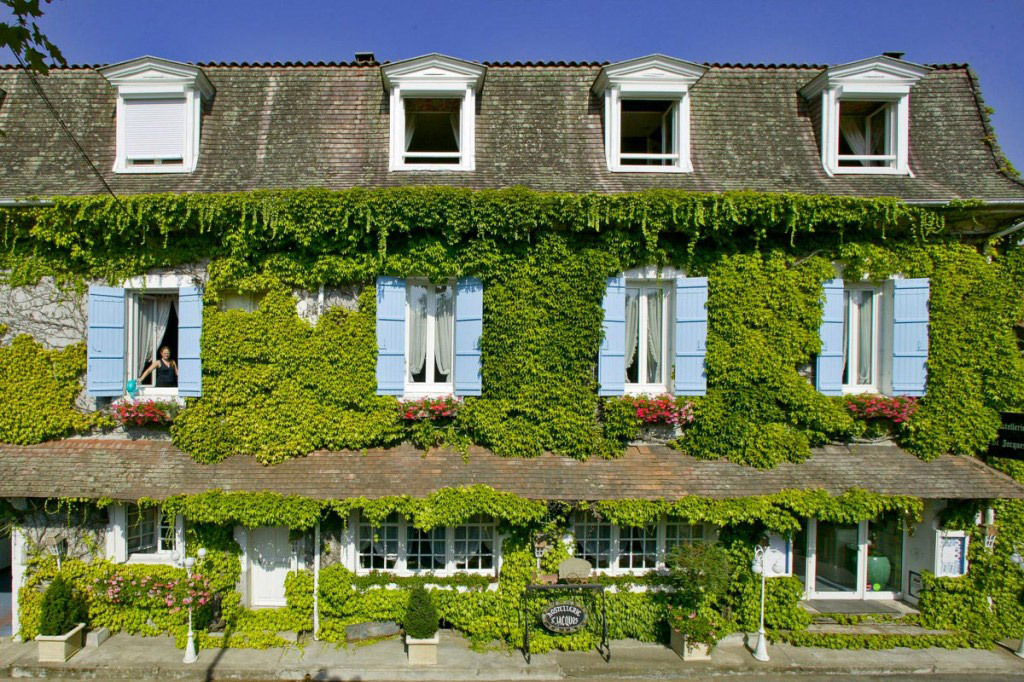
{"x":59,"y":648}
{"x":422,"y":651}
{"x":689,"y":651}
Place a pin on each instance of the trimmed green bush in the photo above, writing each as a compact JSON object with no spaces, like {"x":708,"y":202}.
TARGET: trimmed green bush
{"x":421,"y":616}
{"x":61,"y":609}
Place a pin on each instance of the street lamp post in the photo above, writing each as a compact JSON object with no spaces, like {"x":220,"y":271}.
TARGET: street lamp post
{"x":191,"y":656}
{"x":765,"y":559}
{"x":1019,"y":561}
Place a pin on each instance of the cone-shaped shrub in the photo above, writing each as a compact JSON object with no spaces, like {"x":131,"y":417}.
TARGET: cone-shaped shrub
{"x":61,"y":609}
{"x":421,"y":616}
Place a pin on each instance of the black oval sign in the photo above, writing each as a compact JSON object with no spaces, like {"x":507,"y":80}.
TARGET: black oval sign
{"x":564,"y":617}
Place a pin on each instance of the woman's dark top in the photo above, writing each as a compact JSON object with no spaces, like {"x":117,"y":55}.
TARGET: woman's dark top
{"x":165,"y":376}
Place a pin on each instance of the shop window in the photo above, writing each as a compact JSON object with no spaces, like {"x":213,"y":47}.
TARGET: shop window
{"x":638,"y":547}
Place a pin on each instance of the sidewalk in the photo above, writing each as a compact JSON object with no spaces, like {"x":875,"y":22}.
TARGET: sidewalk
{"x":142,"y":658}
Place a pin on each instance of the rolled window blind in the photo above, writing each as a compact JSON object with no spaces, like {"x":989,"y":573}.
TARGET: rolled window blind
{"x":154,"y":128}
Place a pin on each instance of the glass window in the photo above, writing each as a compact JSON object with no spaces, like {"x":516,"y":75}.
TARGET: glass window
{"x":865,"y":134}
{"x":859,"y":354}
{"x":432,"y":130}
{"x":430,"y":334}
{"x":647,"y":329}
{"x":474,"y":544}
{"x":152,"y":327}
{"x":593,"y":540}
{"x":424,"y":550}
{"x":378,"y":546}
{"x":681,"y":533}
{"x":149,"y":531}
{"x":647,"y":133}
{"x":638,"y":546}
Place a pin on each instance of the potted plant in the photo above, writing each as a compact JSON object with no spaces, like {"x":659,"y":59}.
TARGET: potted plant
{"x":421,"y":628}
{"x":700,"y":575}
{"x":61,"y":622}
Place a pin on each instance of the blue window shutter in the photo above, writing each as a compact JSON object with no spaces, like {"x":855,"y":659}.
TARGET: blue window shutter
{"x":611,"y":362}
{"x":828,"y":373}
{"x":910,"y":336}
{"x":691,"y":335}
{"x":390,"y":336}
{"x":106,"y":364}
{"x":469,"y":325}
{"x":190,"y":328}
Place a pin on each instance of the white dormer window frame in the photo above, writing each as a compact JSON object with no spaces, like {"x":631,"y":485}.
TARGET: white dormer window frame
{"x":153,"y":81}
{"x":433,"y":77}
{"x":655,"y":78}
{"x":884,"y":81}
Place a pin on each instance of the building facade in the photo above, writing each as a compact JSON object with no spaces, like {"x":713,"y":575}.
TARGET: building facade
{"x":355,"y":326}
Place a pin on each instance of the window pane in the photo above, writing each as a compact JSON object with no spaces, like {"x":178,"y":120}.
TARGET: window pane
{"x":646,"y":127}
{"x":432,"y":125}
{"x":846,"y":337}
{"x":140,"y":535}
{"x":865,"y":342}
{"x":632,"y":335}
{"x":638,"y":546}
{"x":593,"y":540}
{"x":680,"y":533}
{"x":655,"y":330}
{"x":863,"y":130}
{"x":474,"y":544}
{"x":378,"y":547}
{"x":443,"y":333}
{"x":167,"y":535}
{"x":424,"y":550}
{"x":418,"y":296}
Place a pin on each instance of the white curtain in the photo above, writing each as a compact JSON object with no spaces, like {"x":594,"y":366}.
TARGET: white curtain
{"x":632,"y":322}
{"x":153,"y":316}
{"x":864,"y":339}
{"x":852,"y":128}
{"x":443,"y":333}
{"x":846,"y":337}
{"x":417,"y":330}
{"x":654,"y":330}
{"x":454,"y":119}
{"x":410,"y":127}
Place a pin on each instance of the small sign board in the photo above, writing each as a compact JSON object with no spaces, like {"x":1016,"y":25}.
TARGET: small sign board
{"x":1010,"y":441}
{"x":916,"y":584}
{"x":564,"y":617}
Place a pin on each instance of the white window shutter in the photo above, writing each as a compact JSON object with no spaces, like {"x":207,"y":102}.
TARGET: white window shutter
{"x":154,"y":128}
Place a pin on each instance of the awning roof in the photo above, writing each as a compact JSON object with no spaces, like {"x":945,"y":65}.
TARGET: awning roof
{"x":129,"y":470}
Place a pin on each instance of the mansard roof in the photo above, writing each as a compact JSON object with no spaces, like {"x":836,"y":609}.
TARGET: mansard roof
{"x":538,"y":125}
{"x":130,"y":470}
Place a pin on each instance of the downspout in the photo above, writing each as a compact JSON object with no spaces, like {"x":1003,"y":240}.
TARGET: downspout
{"x":1008,"y":231}
{"x":316,"y":581}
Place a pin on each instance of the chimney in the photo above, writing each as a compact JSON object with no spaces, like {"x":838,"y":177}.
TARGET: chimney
{"x":364,"y":58}
{"x":894,"y":55}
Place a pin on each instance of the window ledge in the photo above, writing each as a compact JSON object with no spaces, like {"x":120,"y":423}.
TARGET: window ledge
{"x":166,"y":558}
{"x":870,"y":171}
{"x":416,"y":391}
{"x":646,"y":389}
{"x":151,"y":169}
{"x":649,"y":169}
{"x":858,"y":390}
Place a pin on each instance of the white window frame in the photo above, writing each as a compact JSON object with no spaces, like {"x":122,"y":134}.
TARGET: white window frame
{"x":401,"y":566}
{"x":882,"y":79}
{"x":160,"y":554}
{"x":646,"y":287}
{"x":153,"y":78}
{"x":617,"y":536}
{"x":133,"y":298}
{"x":851,"y":333}
{"x":428,"y":388}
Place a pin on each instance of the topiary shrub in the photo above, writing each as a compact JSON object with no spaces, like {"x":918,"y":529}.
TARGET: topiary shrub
{"x":61,"y":609}
{"x":421,"y":616}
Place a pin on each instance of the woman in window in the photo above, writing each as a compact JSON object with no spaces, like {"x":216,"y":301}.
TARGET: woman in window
{"x":166,"y":370}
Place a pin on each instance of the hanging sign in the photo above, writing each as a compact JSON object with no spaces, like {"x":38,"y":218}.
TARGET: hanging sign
{"x":1010,"y":442}
{"x":564,"y":617}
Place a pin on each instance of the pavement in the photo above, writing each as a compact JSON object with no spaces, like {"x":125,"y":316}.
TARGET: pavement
{"x":125,"y":657}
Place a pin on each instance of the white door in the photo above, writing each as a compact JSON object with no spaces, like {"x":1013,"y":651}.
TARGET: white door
{"x":270,"y":559}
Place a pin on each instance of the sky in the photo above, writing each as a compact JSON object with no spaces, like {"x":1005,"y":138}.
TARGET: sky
{"x":984,"y":33}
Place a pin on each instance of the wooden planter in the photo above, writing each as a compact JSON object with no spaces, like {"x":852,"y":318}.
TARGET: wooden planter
{"x":422,"y":651}
{"x":689,"y":651}
{"x":59,"y":648}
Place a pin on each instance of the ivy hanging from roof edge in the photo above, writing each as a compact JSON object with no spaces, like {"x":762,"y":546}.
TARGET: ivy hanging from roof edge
{"x":276,"y":387}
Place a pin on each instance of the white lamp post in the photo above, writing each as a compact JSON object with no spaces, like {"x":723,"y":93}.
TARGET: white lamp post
{"x":191,"y":656}
{"x":765,"y":559}
{"x":1019,"y":561}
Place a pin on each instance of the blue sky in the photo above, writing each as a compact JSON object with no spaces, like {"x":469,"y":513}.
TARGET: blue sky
{"x":984,"y":33}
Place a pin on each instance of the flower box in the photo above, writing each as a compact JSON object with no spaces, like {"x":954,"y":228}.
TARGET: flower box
{"x":59,"y":648}
{"x":689,"y":651}
{"x":422,"y":651}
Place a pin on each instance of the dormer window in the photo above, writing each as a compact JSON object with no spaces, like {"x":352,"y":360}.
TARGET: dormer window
{"x":647,"y":113}
{"x":865,"y":115}
{"x":433,"y":112}
{"x":159,"y":114}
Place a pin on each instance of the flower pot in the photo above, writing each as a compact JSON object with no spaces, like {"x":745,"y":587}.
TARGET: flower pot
{"x":689,"y":651}
{"x":422,"y":651}
{"x":879,"y":570}
{"x":59,"y":648}
{"x":657,"y":432}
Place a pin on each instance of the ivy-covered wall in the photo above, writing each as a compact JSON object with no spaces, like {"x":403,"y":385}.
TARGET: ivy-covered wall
{"x":277,"y":386}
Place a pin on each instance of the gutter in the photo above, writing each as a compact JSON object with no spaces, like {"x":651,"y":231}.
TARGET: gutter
{"x":16,"y":203}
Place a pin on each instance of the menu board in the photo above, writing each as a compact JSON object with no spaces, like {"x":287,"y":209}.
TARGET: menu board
{"x":952,"y":554}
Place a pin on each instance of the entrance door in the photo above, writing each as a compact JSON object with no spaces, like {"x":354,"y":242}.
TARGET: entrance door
{"x":884,"y":570}
{"x":837,"y":560}
{"x":270,"y":559}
